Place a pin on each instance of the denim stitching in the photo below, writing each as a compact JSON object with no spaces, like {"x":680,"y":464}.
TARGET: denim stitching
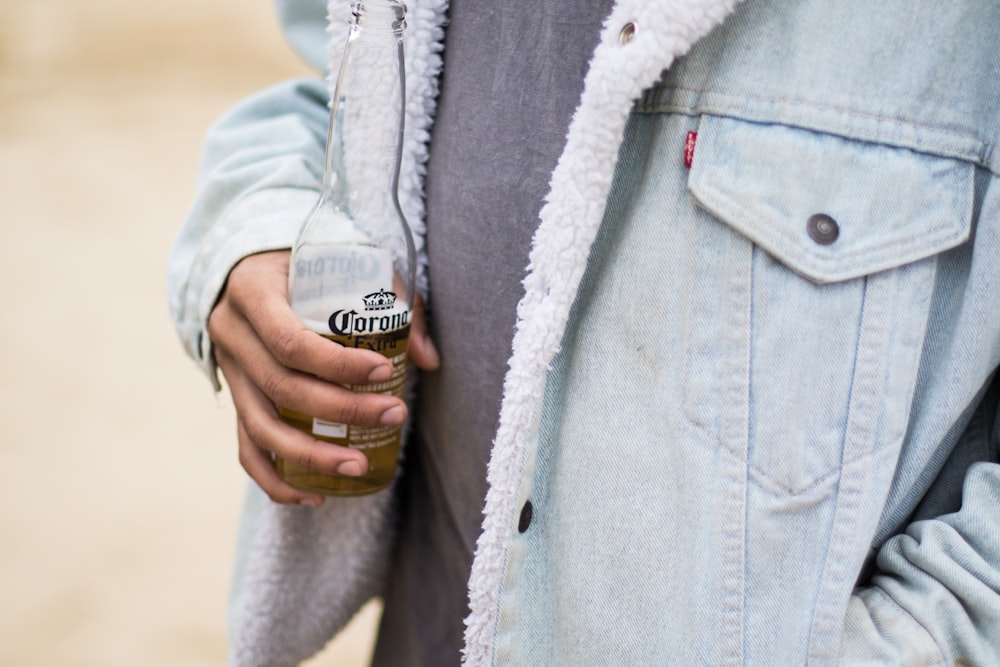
{"x":788,"y":242}
{"x":651,"y":104}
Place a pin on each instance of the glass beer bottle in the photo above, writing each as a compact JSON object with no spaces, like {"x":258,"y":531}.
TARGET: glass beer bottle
{"x":352,"y":268}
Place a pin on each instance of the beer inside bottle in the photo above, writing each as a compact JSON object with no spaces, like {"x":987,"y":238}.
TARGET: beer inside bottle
{"x":352,"y":295}
{"x":380,"y":444}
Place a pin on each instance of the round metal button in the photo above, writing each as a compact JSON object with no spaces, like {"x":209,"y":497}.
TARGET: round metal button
{"x":822,"y":229}
{"x":525,"y":520}
{"x":627,"y":33}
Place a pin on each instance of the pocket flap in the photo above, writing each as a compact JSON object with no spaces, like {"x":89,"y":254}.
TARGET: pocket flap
{"x":889,"y":206}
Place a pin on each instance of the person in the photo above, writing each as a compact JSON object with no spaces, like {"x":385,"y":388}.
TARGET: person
{"x":742,"y":409}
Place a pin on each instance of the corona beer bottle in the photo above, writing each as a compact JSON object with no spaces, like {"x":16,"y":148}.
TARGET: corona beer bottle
{"x":352,"y":267}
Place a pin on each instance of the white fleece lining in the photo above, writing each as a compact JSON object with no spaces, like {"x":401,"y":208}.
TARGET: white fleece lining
{"x":570,"y":219}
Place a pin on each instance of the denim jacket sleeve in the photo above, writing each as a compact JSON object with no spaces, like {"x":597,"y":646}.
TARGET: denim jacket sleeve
{"x":935,"y":597}
{"x":261,"y":168}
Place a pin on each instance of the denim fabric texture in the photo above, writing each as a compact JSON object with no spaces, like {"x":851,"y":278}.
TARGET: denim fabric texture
{"x":740,"y":416}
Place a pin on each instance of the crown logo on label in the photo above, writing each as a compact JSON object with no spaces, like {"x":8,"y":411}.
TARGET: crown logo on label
{"x":380,"y":300}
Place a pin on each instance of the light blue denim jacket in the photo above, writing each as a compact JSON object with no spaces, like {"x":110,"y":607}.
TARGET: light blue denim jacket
{"x":745,"y":441}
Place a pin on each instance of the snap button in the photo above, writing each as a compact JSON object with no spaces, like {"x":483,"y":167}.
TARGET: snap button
{"x":822,"y":229}
{"x":627,"y":33}
{"x":525,"y":520}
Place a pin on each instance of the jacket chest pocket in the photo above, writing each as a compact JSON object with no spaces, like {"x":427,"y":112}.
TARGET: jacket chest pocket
{"x":808,"y":358}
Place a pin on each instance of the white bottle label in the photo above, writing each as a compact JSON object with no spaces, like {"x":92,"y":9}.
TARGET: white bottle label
{"x":329,"y":429}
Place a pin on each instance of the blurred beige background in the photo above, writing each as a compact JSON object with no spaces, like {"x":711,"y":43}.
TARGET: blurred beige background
{"x":121,"y":489}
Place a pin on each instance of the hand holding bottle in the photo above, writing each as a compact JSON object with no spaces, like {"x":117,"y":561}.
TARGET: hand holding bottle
{"x":268,"y":357}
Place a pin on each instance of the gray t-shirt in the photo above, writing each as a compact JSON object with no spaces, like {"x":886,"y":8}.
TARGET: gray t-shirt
{"x":513,"y":74}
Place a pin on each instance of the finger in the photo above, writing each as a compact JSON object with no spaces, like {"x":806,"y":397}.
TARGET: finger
{"x":264,"y":430}
{"x":422,"y":350}
{"x":259,"y":465}
{"x":256,"y":460}
{"x":258,"y":289}
{"x":305,"y":393}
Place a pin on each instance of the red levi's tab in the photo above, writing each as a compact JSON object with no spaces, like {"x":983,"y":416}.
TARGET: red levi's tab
{"x":689,"y":142}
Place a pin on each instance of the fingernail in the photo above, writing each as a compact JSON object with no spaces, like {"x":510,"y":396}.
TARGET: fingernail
{"x":380,"y":374}
{"x":393,"y":416}
{"x":349,"y":469}
{"x":311,"y":501}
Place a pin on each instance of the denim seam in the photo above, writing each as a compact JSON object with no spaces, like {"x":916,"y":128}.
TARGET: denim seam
{"x":762,"y":475}
{"x":735,"y":430}
{"x":775,"y":486}
{"x":818,"y":481}
{"x":862,"y":425}
{"x":819,"y":623}
{"x":656,"y":106}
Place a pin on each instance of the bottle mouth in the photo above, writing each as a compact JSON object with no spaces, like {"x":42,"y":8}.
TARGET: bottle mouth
{"x":380,"y":15}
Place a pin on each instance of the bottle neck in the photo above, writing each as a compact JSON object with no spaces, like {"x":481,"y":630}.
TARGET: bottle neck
{"x":379,"y":16}
{"x":366,"y":121}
